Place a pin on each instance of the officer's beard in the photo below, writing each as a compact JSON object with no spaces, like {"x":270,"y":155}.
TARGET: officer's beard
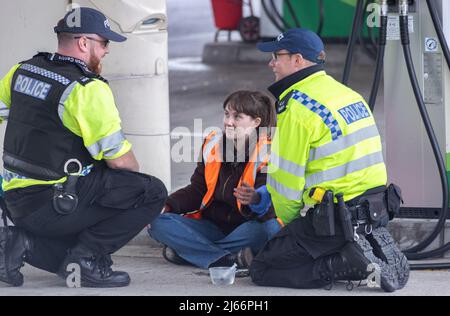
{"x":95,"y":64}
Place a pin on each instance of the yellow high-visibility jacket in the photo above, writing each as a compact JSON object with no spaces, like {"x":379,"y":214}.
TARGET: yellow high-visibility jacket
{"x":326,"y":137}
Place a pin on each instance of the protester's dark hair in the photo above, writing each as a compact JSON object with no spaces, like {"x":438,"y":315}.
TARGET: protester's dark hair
{"x":253,"y":103}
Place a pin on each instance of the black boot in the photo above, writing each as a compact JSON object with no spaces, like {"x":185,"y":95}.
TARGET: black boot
{"x":95,"y":269}
{"x":349,"y":265}
{"x":386,"y":273}
{"x":242,"y":259}
{"x":385,"y":248}
{"x":14,"y":246}
{"x":356,"y":262}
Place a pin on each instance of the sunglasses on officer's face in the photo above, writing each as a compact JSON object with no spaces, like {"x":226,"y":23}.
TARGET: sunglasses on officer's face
{"x":105,"y":43}
{"x":275,"y":55}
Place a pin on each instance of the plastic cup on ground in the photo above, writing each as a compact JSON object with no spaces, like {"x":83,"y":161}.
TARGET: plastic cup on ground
{"x":222,"y":275}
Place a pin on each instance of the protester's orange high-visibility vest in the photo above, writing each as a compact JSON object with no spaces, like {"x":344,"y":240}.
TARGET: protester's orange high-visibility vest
{"x":212,"y":157}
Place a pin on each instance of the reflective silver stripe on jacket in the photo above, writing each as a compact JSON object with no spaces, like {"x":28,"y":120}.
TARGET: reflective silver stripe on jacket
{"x":9,"y":175}
{"x":63,"y":99}
{"x":107,"y":144}
{"x":343,"y":143}
{"x":287,"y":166}
{"x":113,"y":151}
{"x":283,"y":190}
{"x":209,"y":147}
{"x":260,"y":159}
{"x":45,"y":73}
{"x":342,"y":171}
{"x":4,"y":111}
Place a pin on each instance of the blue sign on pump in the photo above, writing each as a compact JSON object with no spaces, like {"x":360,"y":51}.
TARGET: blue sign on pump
{"x":354,"y":112}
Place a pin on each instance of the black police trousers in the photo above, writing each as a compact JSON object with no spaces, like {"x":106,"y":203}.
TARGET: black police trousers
{"x":114,"y":206}
{"x":292,"y":257}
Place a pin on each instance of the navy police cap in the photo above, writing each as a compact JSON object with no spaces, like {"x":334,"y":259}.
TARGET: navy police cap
{"x":87,"y":21}
{"x":297,"y":40}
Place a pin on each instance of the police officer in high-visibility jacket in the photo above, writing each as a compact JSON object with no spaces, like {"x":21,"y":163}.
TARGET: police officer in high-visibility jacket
{"x":71,"y":180}
{"x":326,"y":140}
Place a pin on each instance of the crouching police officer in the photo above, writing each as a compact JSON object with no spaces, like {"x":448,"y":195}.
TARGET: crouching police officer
{"x":71,"y":181}
{"x":326,"y":152}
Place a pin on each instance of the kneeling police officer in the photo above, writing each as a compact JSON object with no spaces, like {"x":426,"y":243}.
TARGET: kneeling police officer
{"x":71,"y":181}
{"x":326,"y":152}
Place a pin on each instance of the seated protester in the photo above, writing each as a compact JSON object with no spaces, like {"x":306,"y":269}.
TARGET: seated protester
{"x":220,"y":219}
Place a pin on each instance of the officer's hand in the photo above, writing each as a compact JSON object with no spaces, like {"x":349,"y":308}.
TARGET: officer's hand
{"x":246,"y":194}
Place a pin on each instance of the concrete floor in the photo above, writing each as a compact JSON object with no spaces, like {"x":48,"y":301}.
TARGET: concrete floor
{"x":151,"y":275}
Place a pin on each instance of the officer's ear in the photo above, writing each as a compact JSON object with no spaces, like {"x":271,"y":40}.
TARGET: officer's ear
{"x":298,"y":59}
{"x":82,"y":43}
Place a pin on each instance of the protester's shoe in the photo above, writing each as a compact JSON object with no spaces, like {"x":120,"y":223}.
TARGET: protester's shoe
{"x":242,"y":259}
{"x":95,"y":270}
{"x":14,"y":245}
{"x":170,"y":255}
{"x":385,"y":248}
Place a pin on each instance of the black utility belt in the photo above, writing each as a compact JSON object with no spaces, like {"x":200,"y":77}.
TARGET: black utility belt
{"x":351,"y":219}
{"x":23,"y":202}
{"x":360,"y":213}
{"x":370,"y":210}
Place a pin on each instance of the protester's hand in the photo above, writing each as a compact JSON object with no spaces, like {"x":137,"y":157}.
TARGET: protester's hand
{"x":246,"y":194}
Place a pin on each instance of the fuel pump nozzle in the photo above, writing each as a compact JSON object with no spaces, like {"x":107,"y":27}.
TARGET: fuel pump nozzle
{"x":384,"y":7}
{"x":380,"y":53}
{"x":403,"y":6}
{"x":403,"y":10}
{"x":383,"y":25}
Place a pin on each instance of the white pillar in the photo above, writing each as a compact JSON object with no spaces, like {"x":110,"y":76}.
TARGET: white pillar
{"x":138,"y":75}
{"x":26,"y":27}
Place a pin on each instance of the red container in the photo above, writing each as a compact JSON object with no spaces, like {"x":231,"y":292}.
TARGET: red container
{"x":227,"y":13}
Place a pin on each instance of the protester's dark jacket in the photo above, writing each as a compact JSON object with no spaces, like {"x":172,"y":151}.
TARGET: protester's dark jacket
{"x":223,"y":210}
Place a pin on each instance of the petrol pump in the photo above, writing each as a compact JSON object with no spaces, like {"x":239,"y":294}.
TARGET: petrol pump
{"x":417,"y":113}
